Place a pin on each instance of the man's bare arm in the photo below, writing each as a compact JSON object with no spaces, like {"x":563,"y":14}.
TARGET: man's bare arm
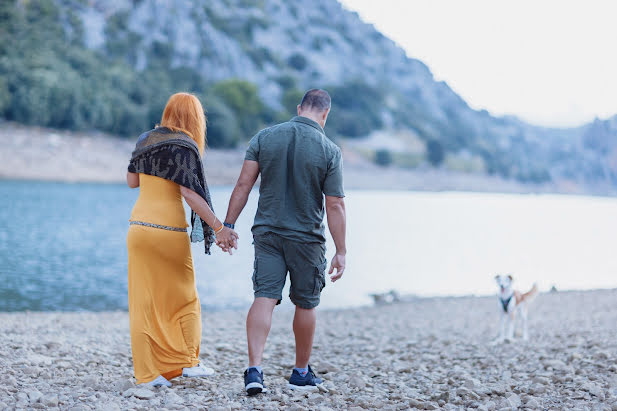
{"x":240,"y":195}
{"x":335,"y":208}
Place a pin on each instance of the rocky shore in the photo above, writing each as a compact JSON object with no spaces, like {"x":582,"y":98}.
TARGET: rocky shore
{"x":433,"y":353}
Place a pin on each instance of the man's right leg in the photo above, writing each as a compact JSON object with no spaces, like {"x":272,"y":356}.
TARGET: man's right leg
{"x":258,"y":322}
{"x":268,"y":282}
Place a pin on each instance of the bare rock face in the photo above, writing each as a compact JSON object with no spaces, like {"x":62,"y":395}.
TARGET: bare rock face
{"x":333,"y":44}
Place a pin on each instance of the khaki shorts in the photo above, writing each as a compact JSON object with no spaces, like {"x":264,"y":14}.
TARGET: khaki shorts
{"x":305,"y":262}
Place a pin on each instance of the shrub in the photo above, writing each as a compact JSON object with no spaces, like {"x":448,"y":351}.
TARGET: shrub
{"x":383,"y":157}
{"x":297,"y":61}
{"x":435,"y":153}
{"x":286,"y":81}
{"x":222,"y":125}
{"x":291,"y":99}
{"x":347,"y":123}
{"x":355,"y":109}
{"x":242,"y":98}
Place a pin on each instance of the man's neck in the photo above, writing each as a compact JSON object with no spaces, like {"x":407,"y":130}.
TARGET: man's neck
{"x":312,"y":116}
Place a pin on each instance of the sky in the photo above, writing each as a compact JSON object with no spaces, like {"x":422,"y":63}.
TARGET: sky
{"x":551,"y":63}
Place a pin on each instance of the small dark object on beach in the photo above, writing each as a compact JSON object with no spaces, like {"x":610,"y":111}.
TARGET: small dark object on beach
{"x":553,"y":289}
{"x":386,"y":298}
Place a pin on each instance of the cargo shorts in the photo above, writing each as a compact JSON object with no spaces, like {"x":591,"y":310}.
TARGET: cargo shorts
{"x":305,"y":262}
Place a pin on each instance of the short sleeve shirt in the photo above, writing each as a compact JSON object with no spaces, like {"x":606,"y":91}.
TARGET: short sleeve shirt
{"x":298,"y":166}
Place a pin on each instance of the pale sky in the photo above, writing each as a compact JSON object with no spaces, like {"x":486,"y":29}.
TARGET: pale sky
{"x":549,"y":62}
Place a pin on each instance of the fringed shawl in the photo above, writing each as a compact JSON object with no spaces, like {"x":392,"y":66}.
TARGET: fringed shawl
{"x":175,"y":156}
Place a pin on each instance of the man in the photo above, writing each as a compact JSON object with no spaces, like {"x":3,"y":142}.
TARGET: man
{"x":298,"y":166}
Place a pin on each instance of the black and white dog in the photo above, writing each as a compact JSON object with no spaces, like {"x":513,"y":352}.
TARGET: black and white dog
{"x":511,"y":304}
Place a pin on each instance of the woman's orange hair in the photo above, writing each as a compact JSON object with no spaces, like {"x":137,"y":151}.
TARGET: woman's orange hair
{"x":185,"y":113}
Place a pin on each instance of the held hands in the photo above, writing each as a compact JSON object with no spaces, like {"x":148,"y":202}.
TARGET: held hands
{"x":338,"y":263}
{"x":227,"y":239}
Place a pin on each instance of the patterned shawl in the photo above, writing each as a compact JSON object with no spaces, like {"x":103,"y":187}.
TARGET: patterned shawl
{"x":175,"y":156}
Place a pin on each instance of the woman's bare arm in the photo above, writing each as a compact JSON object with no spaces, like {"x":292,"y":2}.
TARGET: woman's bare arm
{"x":132,"y":179}
{"x":226,"y":238}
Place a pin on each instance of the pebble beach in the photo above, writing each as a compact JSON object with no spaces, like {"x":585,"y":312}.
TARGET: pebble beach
{"x":425,"y":353}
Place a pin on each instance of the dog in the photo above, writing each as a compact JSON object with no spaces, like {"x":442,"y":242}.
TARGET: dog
{"x":511,"y":304}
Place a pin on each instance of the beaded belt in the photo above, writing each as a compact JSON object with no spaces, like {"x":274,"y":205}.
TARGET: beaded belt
{"x":162,"y":227}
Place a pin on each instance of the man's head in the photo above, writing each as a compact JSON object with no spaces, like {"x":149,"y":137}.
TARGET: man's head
{"x":315,"y":105}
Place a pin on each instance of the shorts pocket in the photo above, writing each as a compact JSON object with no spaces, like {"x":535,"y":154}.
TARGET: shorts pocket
{"x":254,"y":278}
{"x":320,"y":278}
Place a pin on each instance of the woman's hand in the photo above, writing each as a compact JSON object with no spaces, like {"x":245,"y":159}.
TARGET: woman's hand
{"x":227,"y":239}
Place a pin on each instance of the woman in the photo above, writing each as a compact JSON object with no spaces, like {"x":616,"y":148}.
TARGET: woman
{"x":164,"y":309}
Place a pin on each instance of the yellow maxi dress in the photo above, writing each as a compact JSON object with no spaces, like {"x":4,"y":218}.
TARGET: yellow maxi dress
{"x":164,"y":309}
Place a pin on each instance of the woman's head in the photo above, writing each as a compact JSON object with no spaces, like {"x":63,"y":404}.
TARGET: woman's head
{"x":185,"y":113}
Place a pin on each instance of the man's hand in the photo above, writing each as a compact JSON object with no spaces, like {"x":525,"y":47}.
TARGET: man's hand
{"x":227,"y":240}
{"x":335,"y":208}
{"x":338,"y":262}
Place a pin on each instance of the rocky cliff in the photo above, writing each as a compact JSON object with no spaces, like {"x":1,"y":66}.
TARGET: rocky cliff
{"x":283,"y":47}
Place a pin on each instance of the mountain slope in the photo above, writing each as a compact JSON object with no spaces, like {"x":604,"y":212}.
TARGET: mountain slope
{"x":128,"y":56}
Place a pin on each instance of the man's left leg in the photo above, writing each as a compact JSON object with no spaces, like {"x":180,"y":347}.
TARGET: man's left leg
{"x":304,"y":331}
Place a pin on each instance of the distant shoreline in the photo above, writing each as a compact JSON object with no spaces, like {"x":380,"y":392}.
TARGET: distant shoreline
{"x":38,"y":154}
{"x":287,"y":306}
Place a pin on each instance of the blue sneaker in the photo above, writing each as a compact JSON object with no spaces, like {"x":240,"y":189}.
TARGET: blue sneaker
{"x":253,"y":381}
{"x":309,"y":382}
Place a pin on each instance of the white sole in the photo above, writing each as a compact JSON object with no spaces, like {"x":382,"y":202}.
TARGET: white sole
{"x":304,"y":388}
{"x":159,"y":381}
{"x":254,"y":385}
{"x":197,"y":376}
{"x":210,"y":372}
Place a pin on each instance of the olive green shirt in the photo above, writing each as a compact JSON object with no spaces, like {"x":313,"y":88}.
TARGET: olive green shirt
{"x":298,"y":165}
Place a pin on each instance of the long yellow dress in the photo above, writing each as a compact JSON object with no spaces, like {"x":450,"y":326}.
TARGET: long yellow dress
{"x":164,"y":309}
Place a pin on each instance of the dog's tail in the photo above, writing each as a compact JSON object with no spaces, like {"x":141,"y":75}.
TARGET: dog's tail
{"x":530,"y":295}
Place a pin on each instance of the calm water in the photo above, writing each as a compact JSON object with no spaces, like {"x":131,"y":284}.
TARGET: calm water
{"x":62,"y":246}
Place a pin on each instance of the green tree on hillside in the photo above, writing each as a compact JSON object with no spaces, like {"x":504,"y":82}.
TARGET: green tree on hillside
{"x":291,"y":99}
{"x":222,"y":126}
{"x":435,"y":153}
{"x":356,"y":109}
{"x":383,"y":157}
{"x":243,"y":99}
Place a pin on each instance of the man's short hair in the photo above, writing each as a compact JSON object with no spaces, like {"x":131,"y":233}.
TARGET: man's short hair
{"x":316,"y":100}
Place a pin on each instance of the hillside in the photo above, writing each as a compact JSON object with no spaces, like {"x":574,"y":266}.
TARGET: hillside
{"x":110,"y":65}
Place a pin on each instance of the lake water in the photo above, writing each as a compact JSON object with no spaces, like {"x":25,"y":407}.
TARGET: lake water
{"x":62,"y":246}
